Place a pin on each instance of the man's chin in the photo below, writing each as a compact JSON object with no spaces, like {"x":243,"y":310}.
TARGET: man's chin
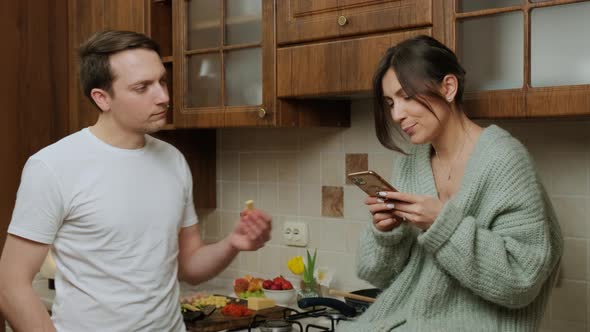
{"x":155,"y":127}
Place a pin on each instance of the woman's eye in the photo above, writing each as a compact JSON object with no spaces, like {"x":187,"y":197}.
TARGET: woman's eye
{"x":140,"y":88}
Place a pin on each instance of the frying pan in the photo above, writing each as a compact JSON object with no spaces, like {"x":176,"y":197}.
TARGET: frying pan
{"x":349,"y":308}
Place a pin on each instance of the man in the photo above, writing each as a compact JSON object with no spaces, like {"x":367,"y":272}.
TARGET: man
{"x":116,"y":205}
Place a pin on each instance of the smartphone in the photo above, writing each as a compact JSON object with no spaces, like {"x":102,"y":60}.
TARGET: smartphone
{"x":370,"y":182}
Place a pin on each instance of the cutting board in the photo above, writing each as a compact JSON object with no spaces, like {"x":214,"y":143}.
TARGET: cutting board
{"x":218,"y":321}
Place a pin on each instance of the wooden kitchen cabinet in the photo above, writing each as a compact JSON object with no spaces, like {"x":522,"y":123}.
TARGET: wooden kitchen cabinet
{"x":524,"y":59}
{"x":334,"y":68}
{"x":332,"y":47}
{"x":225,"y":70}
{"x":303,"y":20}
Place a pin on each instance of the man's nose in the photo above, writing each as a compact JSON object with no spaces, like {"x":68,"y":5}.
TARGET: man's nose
{"x":162,"y":94}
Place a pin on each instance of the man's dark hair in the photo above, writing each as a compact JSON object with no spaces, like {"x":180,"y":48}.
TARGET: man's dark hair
{"x":94,"y":54}
{"x":420,"y":64}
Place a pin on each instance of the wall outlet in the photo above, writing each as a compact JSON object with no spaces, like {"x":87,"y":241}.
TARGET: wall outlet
{"x":295,"y":233}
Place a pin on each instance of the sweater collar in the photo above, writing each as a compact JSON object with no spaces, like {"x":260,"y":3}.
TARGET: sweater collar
{"x":426,"y":176}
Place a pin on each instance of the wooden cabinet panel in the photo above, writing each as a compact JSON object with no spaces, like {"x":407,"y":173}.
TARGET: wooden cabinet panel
{"x":305,"y":20}
{"x":125,"y":15}
{"x":495,"y":104}
{"x":558,"y":101}
{"x":334,"y":68}
{"x":34,"y":70}
{"x":528,"y":101}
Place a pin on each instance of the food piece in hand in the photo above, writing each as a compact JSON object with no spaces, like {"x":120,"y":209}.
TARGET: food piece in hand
{"x":258,"y":303}
{"x":249,"y":204}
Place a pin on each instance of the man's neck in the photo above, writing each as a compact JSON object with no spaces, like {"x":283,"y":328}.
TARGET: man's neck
{"x":112,"y":134}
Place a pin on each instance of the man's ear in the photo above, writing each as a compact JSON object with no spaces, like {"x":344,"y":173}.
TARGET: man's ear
{"x":101,"y":98}
{"x":449,"y":87}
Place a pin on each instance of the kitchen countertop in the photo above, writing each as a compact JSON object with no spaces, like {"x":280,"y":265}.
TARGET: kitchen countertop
{"x":220,"y":286}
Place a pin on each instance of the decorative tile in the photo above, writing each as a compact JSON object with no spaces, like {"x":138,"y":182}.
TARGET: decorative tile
{"x":332,"y":201}
{"x":356,"y":162}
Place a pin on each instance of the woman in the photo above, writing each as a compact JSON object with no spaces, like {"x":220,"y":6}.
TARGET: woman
{"x":471,"y":242}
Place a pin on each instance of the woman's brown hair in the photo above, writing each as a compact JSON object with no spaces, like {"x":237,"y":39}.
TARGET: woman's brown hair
{"x":420,"y":64}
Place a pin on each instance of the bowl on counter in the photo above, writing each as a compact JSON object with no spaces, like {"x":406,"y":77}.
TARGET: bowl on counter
{"x":281,"y":297}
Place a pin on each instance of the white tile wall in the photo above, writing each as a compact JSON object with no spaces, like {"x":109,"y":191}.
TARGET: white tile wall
{"x":284,"y":170}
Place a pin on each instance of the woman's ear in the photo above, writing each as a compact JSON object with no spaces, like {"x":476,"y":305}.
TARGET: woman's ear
{"x":101,"y":98}
{"x":449,"y":87}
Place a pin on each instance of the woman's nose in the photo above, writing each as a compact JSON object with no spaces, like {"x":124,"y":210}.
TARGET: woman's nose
{"x":397,"y":114}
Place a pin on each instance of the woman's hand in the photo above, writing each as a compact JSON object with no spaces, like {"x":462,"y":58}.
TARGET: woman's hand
{"x":383,"y":217}
{"x":420,"y":210}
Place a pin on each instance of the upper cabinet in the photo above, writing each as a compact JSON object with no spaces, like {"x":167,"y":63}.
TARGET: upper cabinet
{"x":305,"y":20}
{"x":523,"y":58}
{"x":225,"y":63}
{"x":332,"y":47}
{"x":225,"y":71}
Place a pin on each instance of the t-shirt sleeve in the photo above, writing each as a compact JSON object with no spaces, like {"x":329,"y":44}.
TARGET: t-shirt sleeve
{"x":189,"y":215}
{"x":39,"y":210}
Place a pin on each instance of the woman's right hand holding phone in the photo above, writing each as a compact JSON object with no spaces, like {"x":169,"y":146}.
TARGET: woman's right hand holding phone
{"x":382,"y":211}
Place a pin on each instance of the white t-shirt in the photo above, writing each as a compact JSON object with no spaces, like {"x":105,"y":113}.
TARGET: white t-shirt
{"x":113,"y":216}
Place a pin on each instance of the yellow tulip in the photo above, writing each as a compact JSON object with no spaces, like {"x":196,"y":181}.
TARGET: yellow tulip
{"x":296,"y":265}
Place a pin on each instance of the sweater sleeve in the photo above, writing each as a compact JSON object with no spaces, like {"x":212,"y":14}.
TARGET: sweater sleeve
{"x":508,"y":259}
{"x":383,"y":255}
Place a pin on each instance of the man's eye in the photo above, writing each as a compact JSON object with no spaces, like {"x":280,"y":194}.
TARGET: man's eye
{"x":140,"y":88}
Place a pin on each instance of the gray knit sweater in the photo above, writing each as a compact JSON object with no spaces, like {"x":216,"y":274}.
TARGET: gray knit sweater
{"x":487,"y":263}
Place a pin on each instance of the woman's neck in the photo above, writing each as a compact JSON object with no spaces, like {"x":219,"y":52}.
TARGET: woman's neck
{"x":458,"y":135}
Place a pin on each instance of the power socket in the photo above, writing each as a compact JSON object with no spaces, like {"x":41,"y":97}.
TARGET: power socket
{"x":295,"y":233}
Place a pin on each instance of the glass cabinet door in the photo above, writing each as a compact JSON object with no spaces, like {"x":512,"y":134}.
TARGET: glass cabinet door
{"x":223,"y":53}
{"x":557,"y":60}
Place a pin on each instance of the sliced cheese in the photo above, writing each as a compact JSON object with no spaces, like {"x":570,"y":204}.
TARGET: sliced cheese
{"x":258,"y":303}
{"x":249,"y":204}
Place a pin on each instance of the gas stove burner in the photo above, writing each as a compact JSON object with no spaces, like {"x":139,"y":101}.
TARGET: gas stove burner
{"x":335,"y":315}
{"x":276,"y":326}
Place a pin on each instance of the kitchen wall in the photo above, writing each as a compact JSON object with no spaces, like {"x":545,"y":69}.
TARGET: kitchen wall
{"x":284,"y":170}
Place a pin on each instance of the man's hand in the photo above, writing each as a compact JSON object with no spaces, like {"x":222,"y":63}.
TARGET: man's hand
{"x":252,"y":231}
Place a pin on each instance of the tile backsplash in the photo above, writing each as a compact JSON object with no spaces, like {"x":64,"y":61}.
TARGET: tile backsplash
{"x":288,"y":172}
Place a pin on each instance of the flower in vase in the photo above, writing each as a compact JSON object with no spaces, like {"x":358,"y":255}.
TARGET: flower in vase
{"x":299,"y":267}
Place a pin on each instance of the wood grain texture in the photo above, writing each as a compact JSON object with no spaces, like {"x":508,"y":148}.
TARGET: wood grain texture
{"x":558,"y":101}
{"x":198,"y":148}
{"x":334,"y":68}
{"x":160,"y":25}
{"x":34,"y":66}
{"x":302,"y":21}
{"x":356,"y":162}
{"x":332,"y":201}
{"x":302,"y":113}
{"x":495,"y":104}
{"x":218,"y":322}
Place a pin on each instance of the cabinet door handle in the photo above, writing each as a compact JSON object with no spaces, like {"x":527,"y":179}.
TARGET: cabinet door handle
{"x":342,"y":20}
{"x":261,"y":112}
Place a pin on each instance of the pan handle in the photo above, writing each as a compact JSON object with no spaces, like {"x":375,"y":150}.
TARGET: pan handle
{"x":342,"y":307}
{"x":351,"y":295}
